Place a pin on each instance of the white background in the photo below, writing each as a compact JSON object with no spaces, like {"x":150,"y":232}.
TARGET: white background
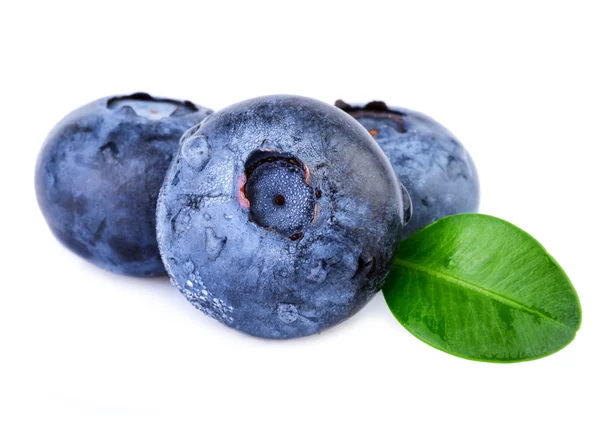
{"x":517,"y":82}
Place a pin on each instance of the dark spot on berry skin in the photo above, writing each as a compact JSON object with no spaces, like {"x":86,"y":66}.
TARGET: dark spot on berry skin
{"x":129,"y":251}
{"x":78,"y":129}
{"x":175,"y":180}
{"x":365,"y":265}
{"x":100,"y":230}
{"x":318,"y":193}
{"x":174,"y":220}
{"x":373,"y":268}
{"x":110,"y":149}
{"x":296,"y":236}
{"x":279,"y":200}
{"x":75,"y":205}
{"x":425,"y":202}
{"x":194,"y":201}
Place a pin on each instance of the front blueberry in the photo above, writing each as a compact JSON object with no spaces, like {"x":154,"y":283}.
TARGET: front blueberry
{"x":279,"y":217}
{"x":99,"y":172}
{"x":435,"y":168}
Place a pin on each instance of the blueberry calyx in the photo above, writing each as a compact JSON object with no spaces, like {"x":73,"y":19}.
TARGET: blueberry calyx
{"x":379,"y":106}
{"x":129,"y":104}
{"x":276,"y":190}
{"x":374,"y":109}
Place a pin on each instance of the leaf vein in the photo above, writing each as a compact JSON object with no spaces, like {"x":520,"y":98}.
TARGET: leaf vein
{"x":468,"y":285}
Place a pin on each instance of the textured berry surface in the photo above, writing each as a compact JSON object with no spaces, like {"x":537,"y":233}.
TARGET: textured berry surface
{"x":99,"y":172}
{"x":429,"y":161}
{"x":279,"y":217}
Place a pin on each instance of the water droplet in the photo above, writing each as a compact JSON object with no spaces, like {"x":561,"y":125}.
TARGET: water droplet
{"x":214,"y":244}
{"x":189,"y":283}
{"x":318,"y":273}
{"x":206,"y":216}
{"x":227,"y":217}
{"x":188,"y":266}
{"x":450,"y":262}
{"x":196,"y":151}
{"x":428,"y":201}
{"x":287,"y":312}
{"x":210,"y":305}
{"x":187,"y":134}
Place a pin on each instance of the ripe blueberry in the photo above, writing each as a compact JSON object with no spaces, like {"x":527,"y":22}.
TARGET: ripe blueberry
{"x":435,"y":168}
{"x":99,"y":172}
{"x":280,"y":216}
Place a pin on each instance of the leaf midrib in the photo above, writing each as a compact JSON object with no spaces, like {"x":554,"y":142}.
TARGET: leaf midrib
{"x":469,"y":285}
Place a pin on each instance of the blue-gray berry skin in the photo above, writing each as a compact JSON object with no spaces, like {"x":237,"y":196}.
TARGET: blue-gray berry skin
{"x":98,"y":176}
{"x":279,"y":217}
{"x":429,"y":161}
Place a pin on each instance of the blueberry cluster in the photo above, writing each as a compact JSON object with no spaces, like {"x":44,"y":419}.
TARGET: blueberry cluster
{"x":278,"y":216}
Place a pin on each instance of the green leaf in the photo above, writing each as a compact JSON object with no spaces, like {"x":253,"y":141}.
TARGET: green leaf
{"x":480,"y":288}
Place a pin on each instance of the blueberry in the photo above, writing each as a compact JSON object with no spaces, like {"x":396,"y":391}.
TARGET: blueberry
{"x":435,"y":168}
{"x":99,"y":172}
{"x":279,"y":216}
